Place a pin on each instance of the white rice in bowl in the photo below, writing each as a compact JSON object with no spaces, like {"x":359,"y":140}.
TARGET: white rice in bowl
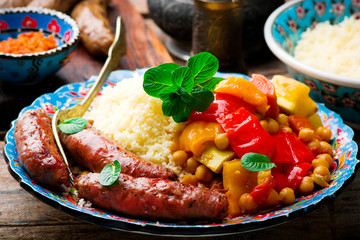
{"x":332,"y":48}
{"x":135,"y":120}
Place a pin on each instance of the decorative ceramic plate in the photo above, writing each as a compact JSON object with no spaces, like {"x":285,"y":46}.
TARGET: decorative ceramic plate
{"x":68,"y":95}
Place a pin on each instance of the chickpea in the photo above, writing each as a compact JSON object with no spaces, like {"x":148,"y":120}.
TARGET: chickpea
{"x":323,"y":172}
{"x":175,"y":144}
{"x":285,"y":128}
{"x":265,"y":125}
{"x":221,"y":141}
{"x":319,"y":180}
{"x":326,"y":157}
{"x":306,"y":134}
{"x":190,"y":179}
{"x":324,"y":133}
{"x":287,"y":196}
{"x":179,"y":157}
{"x":314,"y":146}
{"x":273,"y":198}
{"x":273,"y":126}
{"x":247,"y":202}
{"x":325,"y":147}
{"x":191,"y":165}
{"x":319,"y":162}
{"x":306,"y":185}
{"x":203,"y":173}
{"x":282,"y":119}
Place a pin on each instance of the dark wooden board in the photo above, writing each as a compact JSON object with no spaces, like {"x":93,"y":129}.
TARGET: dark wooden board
{"x":22,"y":216}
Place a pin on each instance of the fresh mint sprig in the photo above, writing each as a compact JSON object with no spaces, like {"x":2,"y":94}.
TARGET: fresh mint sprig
{"x":110,"y":173}
{"x":72,"y":125}
{"x":256,"y":162}
{"x":183,"y":89}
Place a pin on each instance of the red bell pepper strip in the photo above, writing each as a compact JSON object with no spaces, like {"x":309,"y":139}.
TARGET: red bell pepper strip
{"x":298,"y":122}
{"x":296,"y":173}
{"x":280,"y":179}
{"x":266,"y":87}
{"x":290,"y":149}
{"x":223,"y":104}
{"x":290,"y":175}
{"x":261,"y":192}
{"x":246,"y":134}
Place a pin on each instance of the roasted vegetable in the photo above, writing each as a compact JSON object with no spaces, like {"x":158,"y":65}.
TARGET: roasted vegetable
{"x":214,"y":158}
{"x":237,"y":180}
{"x":196,"y":134}
{"x":245,"y":90}
{"x":266,"y":87}
{"x":246,"y":134}
{"x":293,"y":96}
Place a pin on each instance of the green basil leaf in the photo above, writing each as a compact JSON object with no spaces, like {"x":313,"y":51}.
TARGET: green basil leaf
{"x":204,"y":66}
{"x":211,"y":83}
{"x":183,"y":115}
{"x":72,"y":125}
{"x":201,"y":98}
{"x":182,"y":77}
{"x":110,"y":173}
{"x":173,"y":107}
{"x":256,"y":162}
{"x":158,"y":78}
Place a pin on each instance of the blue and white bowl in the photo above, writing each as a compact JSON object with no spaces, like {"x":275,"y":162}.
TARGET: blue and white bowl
{"x":283,"y":30}
{"x":31,"y":68}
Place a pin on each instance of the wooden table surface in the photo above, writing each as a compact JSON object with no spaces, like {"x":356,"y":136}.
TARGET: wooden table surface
{"x":23,"y":216}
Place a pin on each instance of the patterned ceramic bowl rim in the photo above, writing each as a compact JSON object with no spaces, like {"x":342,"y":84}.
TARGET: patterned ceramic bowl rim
{"x":295,"y":64}
{"x":45,"y":11}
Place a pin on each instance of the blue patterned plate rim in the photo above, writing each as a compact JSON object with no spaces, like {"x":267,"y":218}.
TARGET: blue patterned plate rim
{"x":68,"y":95}
{"x":294,"y":63}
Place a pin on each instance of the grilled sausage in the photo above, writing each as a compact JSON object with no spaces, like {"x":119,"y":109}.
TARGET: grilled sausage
{"x":153,"y":198}
{"x":95,"y":30}
{"x":37,"y":149}
{"x":93,"y":150}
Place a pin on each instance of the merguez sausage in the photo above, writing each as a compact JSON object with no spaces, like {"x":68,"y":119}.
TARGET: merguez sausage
{"x":37,"y":149}
{"x":95,"y":30}
{"x":154,"y":198}
{"x":93,"y":150}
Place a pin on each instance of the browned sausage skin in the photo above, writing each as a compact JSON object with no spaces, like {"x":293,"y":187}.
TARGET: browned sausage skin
{"x":154,"y":198}
{"x":93,"y":150}
{"x":95,"y":30}
{"x":37,"y":149}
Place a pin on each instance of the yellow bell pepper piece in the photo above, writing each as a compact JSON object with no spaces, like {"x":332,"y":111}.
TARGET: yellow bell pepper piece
{"x":315,"y":121}
{"x":195,"y":136}
{"x":245,"y":90}
{"x":237,"y":180}
{"x":214,"y":158}
{"x":293,"y":96}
